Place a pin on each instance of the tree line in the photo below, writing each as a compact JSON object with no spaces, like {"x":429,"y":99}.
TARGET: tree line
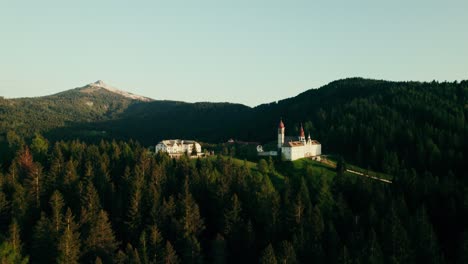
{"x":116,"y":202}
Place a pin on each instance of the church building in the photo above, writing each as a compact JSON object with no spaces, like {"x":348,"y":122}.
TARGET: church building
{"x":293,"y":148}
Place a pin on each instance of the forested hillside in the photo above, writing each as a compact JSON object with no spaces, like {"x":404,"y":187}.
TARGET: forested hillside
{"x":416,"y":132}
{"x":382,"y":124}
{"x":118,"y":203}
{"x":26,"y":116}
{"x":376,"y":124}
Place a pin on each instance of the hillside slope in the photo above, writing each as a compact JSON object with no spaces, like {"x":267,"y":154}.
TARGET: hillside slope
{"x":376,"y":124}
{"x":90,"y":103}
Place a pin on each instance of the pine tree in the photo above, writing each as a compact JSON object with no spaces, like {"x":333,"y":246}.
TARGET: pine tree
{"x":100,"y":241}
{"x":98,"y":260}
{"x":69,"y":242}
{"x":316,"y":228}
{"x":155,"y":244}
{"x":132,"y":254}
{"x":143,"y":249}
{"x":396,"y":246}
{"x":120,"y":258}
{"x":170,"y":255}
{"x":317,"y":224}
{"x":463,"y":248}
{"x":19,"y":203}
{"x":39,"y":148}
{"x":191,"y":219}
{"x":325,"y":199}
{"x":249,"y":241}
{"x":268,"y":256}
{"x":331,"y":243}
{"x":9,"y":256}
{"x":167,"y":218}
{"x":373,"y":252}
{"x":25,"y":163}
{"x":427,"y":248}
{"x":90,"y":201}
{"x":134,"y":209}
{"x":43,"y":242}
{"x":344,"y":257}
{"x":232,"y":217}
{"x":14,"y":238}
{"x":287,"y":254}
{"x":11,"y":249}
{"x":340,"y":166}
{"x":262,"y":166}
{"x":33,"y":183}
{"x":4,"y":210}
{"x":218,"y":248}
{"x":70,"y":185}
{"x":192,"y":225}
{"x":56,"y":204}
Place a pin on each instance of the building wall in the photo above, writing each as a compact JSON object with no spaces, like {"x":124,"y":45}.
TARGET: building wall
{"x":312,"y":150}
{"x":286,"y":153}
{"x":268,"y":153}
{"x":160,"y":147}
{"x":318,"y":151}
{"x":299,"y":152}
{"x":280,"y":137}
{"x":293,"y":153}
{"x":178,"y":148}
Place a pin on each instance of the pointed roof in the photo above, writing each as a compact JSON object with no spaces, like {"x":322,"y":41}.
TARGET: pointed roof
{"x":281,"y":125}
{"x":302,"y":131}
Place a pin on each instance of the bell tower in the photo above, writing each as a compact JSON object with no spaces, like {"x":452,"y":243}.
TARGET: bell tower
{"x":280,"y":134}
{"x":302,"y":135}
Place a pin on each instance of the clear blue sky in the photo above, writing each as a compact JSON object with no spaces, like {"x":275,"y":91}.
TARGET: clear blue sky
{"x":241,"y":51}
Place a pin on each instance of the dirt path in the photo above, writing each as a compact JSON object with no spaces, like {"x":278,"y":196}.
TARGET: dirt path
{"x":368,"y":176}
{"x":333,"y":164}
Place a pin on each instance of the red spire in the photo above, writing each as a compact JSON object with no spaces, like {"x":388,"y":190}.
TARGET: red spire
{"x":302,"y":132}
{"x":281,"y":125}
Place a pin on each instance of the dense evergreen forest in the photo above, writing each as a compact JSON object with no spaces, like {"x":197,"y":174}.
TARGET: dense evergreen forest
{"x":97,"y":199}
{"x":116,"y":202}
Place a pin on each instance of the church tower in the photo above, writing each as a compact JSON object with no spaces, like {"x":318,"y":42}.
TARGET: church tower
{"x":280,"y":134}
{"x":302,"y":135}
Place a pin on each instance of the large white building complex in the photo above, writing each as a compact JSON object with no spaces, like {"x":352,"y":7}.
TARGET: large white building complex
{"x":293,"y":148}
{"x":178,"y":147}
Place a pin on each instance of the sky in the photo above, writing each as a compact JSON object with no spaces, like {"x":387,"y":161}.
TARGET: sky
{"x":248,"y":52}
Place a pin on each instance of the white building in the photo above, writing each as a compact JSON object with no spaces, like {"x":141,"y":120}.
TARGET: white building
{"x":178,"y":147}
{"x":292,"y":149}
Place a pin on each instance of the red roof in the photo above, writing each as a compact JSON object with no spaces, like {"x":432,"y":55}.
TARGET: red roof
{"x":281,"y":125}
{"x":302,"y":132}
{"x":293,"y":144}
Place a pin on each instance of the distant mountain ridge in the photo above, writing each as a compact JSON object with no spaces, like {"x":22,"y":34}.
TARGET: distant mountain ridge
{"x":354,"y":117}
{"x":90,"y":103}
{"x":96,"y":86}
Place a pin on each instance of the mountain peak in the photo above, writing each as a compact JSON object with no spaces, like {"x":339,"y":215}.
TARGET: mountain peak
{"x":99,"y":83}
{"x":103,"y":85}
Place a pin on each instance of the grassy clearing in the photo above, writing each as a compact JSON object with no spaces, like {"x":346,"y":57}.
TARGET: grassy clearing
{"x":306,"y":167}
{"x":313,"y":170}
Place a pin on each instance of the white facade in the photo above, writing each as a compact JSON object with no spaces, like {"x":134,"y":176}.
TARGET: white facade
{"x":177,"y":147}
{"x":300,"y":148}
